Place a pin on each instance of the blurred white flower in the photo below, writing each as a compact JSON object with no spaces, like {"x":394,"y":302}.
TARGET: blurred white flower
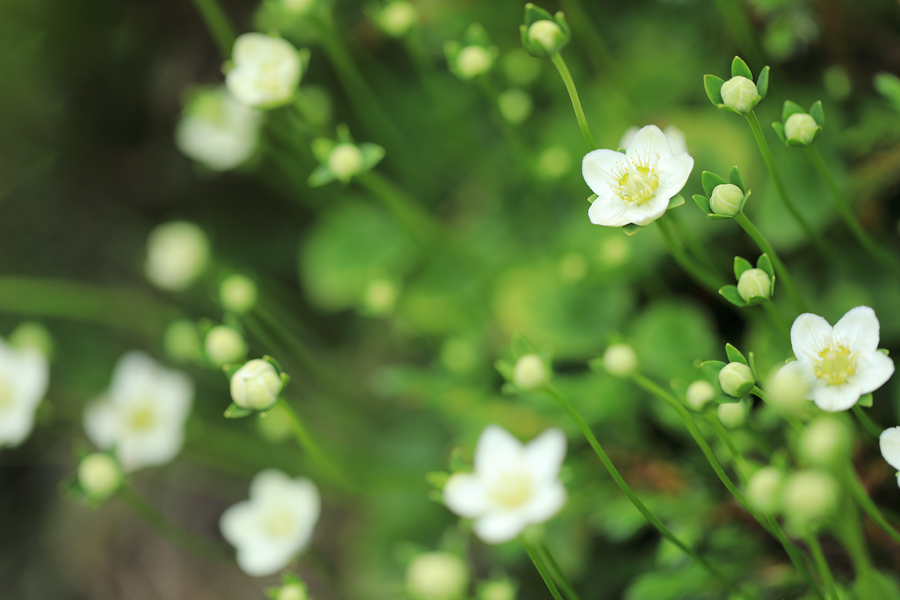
{"x":635,"y":187}
{"x":142,"y":414}
{"x":217,"y":130}
{"x":839,"y":364}
{"x":437,"y":576}
{"x":23,"y":383}
{"x":513,"y":485}
{"x":177,"y":253}
{"x":266,"y":71}
{"x":274,"y":524}
{"x":890,"y":448}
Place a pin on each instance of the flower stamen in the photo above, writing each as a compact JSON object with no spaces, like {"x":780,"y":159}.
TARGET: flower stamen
{"x":636,"y":178}
{"x":835,"y":365}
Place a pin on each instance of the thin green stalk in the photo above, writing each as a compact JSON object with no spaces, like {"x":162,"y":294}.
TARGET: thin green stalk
{"x":547,"y":558}
{"x":865,"y":240}
{"x":178,"y":535}
{"x":741,"y":30}
{"x":768,"y":523}
{"x":700,"y":275}
{"x":560,"y":65}
{"x":620,"y":481}
{"x":700,"y":252}
{"x":777,"y":319}
{"x":848,"y":529}
{"x":779,"y":184}
{"x":305,"y":440}
{"x":722,"y":433}
{"x":862,"y":498}
{"x":795,"y":424}
{"x":417,"y":222}
{"x":822,"y":565}
{"x":780,"y":270}
{"x":541,"y":568}
{"x":868,"y":424}
{"x":218,"y":24}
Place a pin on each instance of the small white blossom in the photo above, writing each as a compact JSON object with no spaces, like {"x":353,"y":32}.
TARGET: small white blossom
{"x":266,"y":71}
{"x":23,"y":383}
{"x":635,"y":187}
{"x":217,"y":130}
{"x":397,"y":18}
{"x":474,"y":61}
{"x":765,"y":487}
{"x":726,"y":199}
{"x":513,"y":485}
{"x":177,"y":253}
{"x":890,"y":448}
{"x":754,"y":283}
{"x":736,"y":379}
{"x":275,"y":524}
{"x":142,"y":414}
{"x":842,"y":363}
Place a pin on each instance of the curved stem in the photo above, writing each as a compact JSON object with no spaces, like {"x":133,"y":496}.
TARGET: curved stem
{"x":218,"y":24}
{"x":700,"y":275}
{"x":780,"y":270}
{"x":700,"y":253}
{"x":849,"y":530}
{"x":547,"y":557}
{"x":822,"y":565}
{"x":862,"y":498}
{"x":779,"y":184}
{"x":795,"y":424}
{"x":560,"y":65}
{"x":868,"y":424}
{"x":541,"y":568}
{"x":620,"y":481}
{"x":305,"y":440}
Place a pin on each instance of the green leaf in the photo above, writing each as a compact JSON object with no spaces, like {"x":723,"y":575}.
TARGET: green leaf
{"x":790,"y":108}
{"x":865,"y":401}
{"x":230,"y":370}
{"x":713,"y":86}
{"x":535,"y":13}
{"x":744,"y":201}
{"x":371,"y":156}
{"x":560,"y":19}
{"x":734,"y":178}
{"x":521,"y":346}
{"x":710,"y":180}
{"x":322,"y":175}
{"x":730,"y":293}
{"x":740,"y":69}
{"x":888,"y":86}
{"x":715,"y":217}
{"x":762,"y":83}
{"x":676,"y":201}
{"x":712,"y":368}
{"x":321,"y":149}
{"x":703,"y":203}
{"x":506,"y":369}
{"x":818,"y":113}
{"x":741,"y":265}
{"x":885,"y":351}
{"x":236,"y":412}
{"x":778,"y":126}
{"x":631,"y":229}
{"x":734,"y":355}
{"x":591,"y":198}
{"x":765,"y":264}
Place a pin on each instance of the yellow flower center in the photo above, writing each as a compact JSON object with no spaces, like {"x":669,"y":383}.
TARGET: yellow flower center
{"x":142,"y":418}
{"x":636,"y":178}
{"x":278,"y":523}
{"x":835,"y":365}
{"x":512,"y":490}
{"x":7,"y":394}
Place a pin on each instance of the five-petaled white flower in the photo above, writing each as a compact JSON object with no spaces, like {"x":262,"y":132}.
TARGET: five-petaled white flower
{"x":839,"y":364}
{"x":217,"y":130}
{"x":266,"y":71}
{"x":23,"y":383}
{"x":513,"y":485}
{"x":142,"y":414}
{"x":274,"y":524}
{"x":890,"y":448}
{"x":635,"y":187}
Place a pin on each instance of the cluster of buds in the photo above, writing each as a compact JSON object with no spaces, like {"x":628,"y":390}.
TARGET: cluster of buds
{"x":724,"y":199}
{"x":754,"y":285}
{"x":543,"y":34}
{"x":739,"y":94}
{"x":342,"y":158}
{"x":797,"y":127}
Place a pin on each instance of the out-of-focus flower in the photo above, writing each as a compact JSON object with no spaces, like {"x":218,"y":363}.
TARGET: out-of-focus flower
{"x":265,"y":71}
{"x":732,"y":414}
{"x":237,"y":293}
{"x":177,"y":253}
{"x":342,"y":159}
{"x":474,"y":57}
{"x":513,"y":485}
{"x":217,"y":130}
{"x":142,"y":414}
{"x":396,"y":18}
{"x":437,"y":576}
{"x":765,"y":489}
{"x":890,"y":448}
{"x":275,"y":524}
{"x":620,"y":360}
{"x":699,"y":394}
{"x":24,"y":376}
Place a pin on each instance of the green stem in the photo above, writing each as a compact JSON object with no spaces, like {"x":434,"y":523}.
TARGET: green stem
{"x":722,"y":433}
{"x":777,"y":319}
{"x":547,"y":558}
{"x":862,"y":498}
{"x":417,"y":222}
{"x":620,"y":481}
{"x":173,"y":532}
{"x":560,"y":65}
{"x":741,"y":30}
{"x":700,"y":275}
{"x":868,"y":424}
{"x":849,"y":530}
{"x":768,"y":523}
{"x":877,"y":252}
{"x":219,"y":27}
{"x":822,"y":565}
{"x":701,"y":253}
{"x":780,"y":270}
{"x":779,"y":184}
{"x":541,"y":568}
{"x":795,"y":424}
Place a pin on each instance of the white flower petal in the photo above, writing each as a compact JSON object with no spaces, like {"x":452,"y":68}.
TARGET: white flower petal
{"x":858,"y":329}
{"x":156,"y":447}
{"x":608,"y":209}
{"x":810,"y":334}
{"x":101,"y":422}
{"x":673,"y":174}
{"x":676,"y":139}
{"x":627,"y":137}
{"x":260,"y":560}
{"x":872,"y":371}
{"x":32,"y":375}
{"x":269,"y":483}
{"x":597,"y":166}
{"x":500,"y":527}
{"x":834,"y":398}
{"x":497,"y":452}
{"x":545,"y":454}
{"x":465,"y":495}
{"x":135,"y":370}
{"x":644,"y":214}
{"x":890,"y":446}
{"x":546,"y":503}
{"x":649,"y":141}
{"x":15,"y":425}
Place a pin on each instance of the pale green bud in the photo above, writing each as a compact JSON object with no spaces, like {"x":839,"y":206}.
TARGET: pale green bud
{"x":620,"y":360}
{"x":732,"y":414}
{"x":788,"y":390}
{"x":810,"y":496}
{"x":99,"y":475}
{"x":699,"y":394}
{"x":754,"y":283}
{"x":177,"y":253}
{"x":474,"y":61}
{"x":498,"y":589}
{"x":181,"y":341}
{"x":298,"y":7}
{"x":225,"y":345}
{"x":345,"y":161}
{"x":530,"y":372}
{"x":736,"y":379}
{"x":726,"y":199}
{"x":397,"y":18}
{"x":548,"y":35}
{"x":437,"y":576}
{"x":740,"y":94}
{"x":764,"y":489}
{"x":826,"y":441}
{"x":801,"y":127}
{"x":292,"y":591}
{"x":515,"y":105}
{"x":237,"y":293}
{"x":256,"y":385}
{"x":34,"y":336}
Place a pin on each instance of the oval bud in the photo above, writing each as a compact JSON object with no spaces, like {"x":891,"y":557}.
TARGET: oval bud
{"x":380,"y":296}
{"x":736,"y":379}
{"x":237,"y":293}
{"x":801,"y":128}
{"x":754,"y":283}
{"x":699,"y":394}
{"x":498,"y":589}
{"x":530,"y":372}
{"x":99,"y":475}
{"x":225,"y":345}
{"x":292,"y":591}
{"x":810,"y":496}
{"x":548,"y":35}
{"x":256,"y":385}
{"x":788,"y":390}
{"x":826,"y":441}
{"x":726,"y":199}
{"x":732,"y":414}
{"x":397,"y":18}
{"x":345,"y":161}
{"x":515,"y":105}
{"x":473,"y":61}
{"x":740,"y":94}
{"x":620,"y":360}
{"x":437,"y":576}
{"x":764,"y":489}
{"x":177,"y":254}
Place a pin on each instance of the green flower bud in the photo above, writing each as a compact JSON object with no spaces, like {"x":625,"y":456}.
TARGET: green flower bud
{"x":740,"y":94}
{"x":380,"y":296}
{"x":825,"y":441}
{"x":256,"y":385}
{"x":699,"y":394}
{"x":515,"y":105}
{"x":620,"y":360}
{"x":732,"y":414}
{"x":225,"y":345}
{"x":473,"y":61}
{"x":498,"y":589}
{"x":397,"y":18}
{"x":99,"y":476}
{"x":33,"y":335}
{"x":788,"y":390}
{"x":177,"y":253}
{"x":237,"y":293}
{"x":764,"y":489}
{"x":754,"y":283}
{"x":548,"y":36}
{"x":801,"y":128}
{"x":437,"y":576}
{"x":345,"y":161}
{"x":726,"y":199}
{"x":292,"y":591}
{"x":530,"y":372}
{"x":736,"y":379}
{"x":809,"y":497}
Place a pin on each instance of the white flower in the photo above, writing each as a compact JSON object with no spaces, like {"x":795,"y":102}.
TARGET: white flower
{"x":839,"y":364}
{"x":635,"y":187}
{"x":266,"y":71}
{"x":217,"y":130}
{"x":177,"y":253}
{"x":142,"y":414}
{"x":274,"y":524}
{"x":890,"y":448}
{"x":513,"y":485}
{"x":23,"y":383}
